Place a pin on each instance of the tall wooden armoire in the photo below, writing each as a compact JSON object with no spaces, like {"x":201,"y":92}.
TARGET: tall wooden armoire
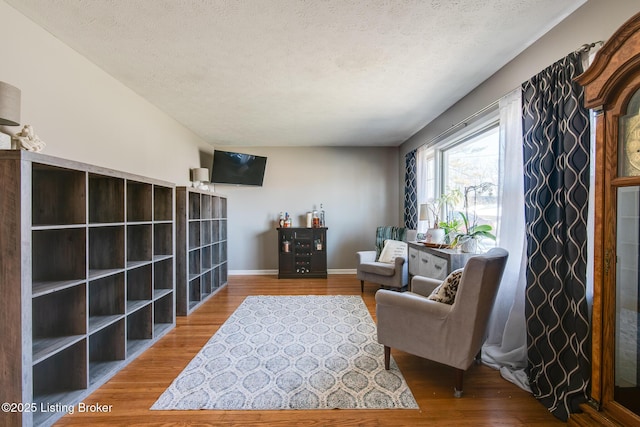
{"x":612,"y":89}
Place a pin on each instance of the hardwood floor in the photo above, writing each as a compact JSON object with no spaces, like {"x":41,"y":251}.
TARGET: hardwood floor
{"x":488,"y":399}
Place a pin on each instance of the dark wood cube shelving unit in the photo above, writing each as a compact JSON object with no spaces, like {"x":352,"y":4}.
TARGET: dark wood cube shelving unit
{"x":201,"y":248}
{"x":87,"y":277}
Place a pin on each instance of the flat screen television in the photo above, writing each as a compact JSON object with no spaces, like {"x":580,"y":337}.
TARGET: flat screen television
{"x":237,"y":168}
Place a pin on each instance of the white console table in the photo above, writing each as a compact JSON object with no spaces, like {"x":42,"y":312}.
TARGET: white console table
{"x":433,"y":262}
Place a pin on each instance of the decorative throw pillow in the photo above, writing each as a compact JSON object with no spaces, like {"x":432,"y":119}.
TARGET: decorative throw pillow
{"x":391,"y":250}
{"x":446,"y":291}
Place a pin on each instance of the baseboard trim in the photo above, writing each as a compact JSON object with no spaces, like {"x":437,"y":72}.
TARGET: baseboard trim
{"x":275,"y":272}
{"x":342,"y":271}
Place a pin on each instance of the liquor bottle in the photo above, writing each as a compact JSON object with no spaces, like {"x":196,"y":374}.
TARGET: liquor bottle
{"x":322,"y":217}
{"x":281,"y":220}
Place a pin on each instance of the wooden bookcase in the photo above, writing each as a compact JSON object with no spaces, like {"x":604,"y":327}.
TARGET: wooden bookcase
{"x":201,"y":247}
{"x":87,"y":277}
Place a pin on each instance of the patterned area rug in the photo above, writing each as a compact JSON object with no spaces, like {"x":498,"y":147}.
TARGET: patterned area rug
{"x":291,"y":352}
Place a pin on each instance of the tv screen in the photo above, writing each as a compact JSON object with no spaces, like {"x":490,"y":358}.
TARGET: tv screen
{"x":237,"y":168}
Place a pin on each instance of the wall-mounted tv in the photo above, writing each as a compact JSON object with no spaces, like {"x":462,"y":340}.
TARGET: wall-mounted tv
{"x":237,"y":168}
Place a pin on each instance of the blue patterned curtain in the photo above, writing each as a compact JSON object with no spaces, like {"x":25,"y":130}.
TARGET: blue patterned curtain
{"x":411,"y":191}
{"x":556,"y":164}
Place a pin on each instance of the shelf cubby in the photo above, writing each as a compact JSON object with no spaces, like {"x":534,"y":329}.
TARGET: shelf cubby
{"x":58,"y":321}
{"x":223,"y":208}
{"x":163,"y":275}
{"x":224,"y":273}
{"x":139,"y":201}
{"x":222,"y":252}
{"x":139,"y":287}
{"x":215,"y":254}
{"x":139,"y":330}
{"x":215,"y":278}
{"x":163,"y":315}
{"x":62,"y":372}
{"x":106,"y":250}
{"x":206,"y":258}
{"x":205,"y":206}
{"x":54,"y":187}
{"x":139,"y":244}
{"x":205,"y":232}
{"x":222,"y":235}
{"x":106,"y":301}
{"x":205,"y":283}
{"x":162,"y":239}
{"x":194,"y":234}
{"x":215,"y":230}
{"x":106,"y":351}
{"x":58,"y":256}
{"x":194,"y":205}
{"x":163,"y":203}
{"x":195,"y":266}
{"x":215,"y":207}
{"x":106,"y":199}
{"x":195,"y":292}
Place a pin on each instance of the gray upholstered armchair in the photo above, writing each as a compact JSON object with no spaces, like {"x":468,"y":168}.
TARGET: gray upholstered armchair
{"x":449,"y":334}
{"x":392,"y":275}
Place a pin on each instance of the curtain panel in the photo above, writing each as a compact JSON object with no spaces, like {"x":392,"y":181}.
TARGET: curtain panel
{"x":506,"y":345}
{"x":411,"y":191}
{"x":556,"y":174}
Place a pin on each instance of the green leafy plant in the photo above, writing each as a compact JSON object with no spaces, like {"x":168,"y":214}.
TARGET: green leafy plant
{"x":451,"y":229}
{"x":441,"y":204}
{"x":472,"y":231}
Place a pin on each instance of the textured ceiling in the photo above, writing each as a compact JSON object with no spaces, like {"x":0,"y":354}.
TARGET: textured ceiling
{"x":299,"y":72}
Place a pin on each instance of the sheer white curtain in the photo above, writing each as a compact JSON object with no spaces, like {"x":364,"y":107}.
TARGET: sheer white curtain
{"x":422,"y":178}
{"x":506,"y":345}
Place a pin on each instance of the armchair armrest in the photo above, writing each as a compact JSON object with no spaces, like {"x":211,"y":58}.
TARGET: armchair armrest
{"x":400,"y":262}
{"x":410,"y":304}
{"x":366,"y":256}
{"x":424,"y":285}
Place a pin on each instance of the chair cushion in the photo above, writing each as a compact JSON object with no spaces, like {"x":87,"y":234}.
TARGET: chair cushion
{"x":379,"y":268}
{"x":391,"y":250}
{"x":446,"y":291}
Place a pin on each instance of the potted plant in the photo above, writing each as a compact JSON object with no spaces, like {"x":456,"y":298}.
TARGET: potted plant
{"x":441,"y":230}
{"x":468,"y":239}
{"x":451,"y":229}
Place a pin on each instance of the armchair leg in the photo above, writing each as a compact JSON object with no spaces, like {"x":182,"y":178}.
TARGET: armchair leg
{"x":387,"y":357}
{"x":361,"y":286}
{"x":457,"y":390}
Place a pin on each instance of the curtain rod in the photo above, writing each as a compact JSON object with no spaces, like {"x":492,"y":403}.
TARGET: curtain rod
{"x":588,"y":46}
{"x":463,"y":123}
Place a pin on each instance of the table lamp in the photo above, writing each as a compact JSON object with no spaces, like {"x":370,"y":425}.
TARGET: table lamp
{"x":9,"y":111}
{"x":199,"y":176}
{"x":423,"y":215}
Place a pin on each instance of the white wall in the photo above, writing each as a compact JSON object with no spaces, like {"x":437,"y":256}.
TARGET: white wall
{"x":83,"y":114}
{"x":595,"y":20}
{"x":358,"y":188}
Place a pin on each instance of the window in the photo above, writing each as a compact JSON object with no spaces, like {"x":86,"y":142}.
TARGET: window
{"x":466,"y":165}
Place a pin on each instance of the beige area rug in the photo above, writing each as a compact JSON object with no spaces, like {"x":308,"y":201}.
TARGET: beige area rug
{"x":291,"y":352}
